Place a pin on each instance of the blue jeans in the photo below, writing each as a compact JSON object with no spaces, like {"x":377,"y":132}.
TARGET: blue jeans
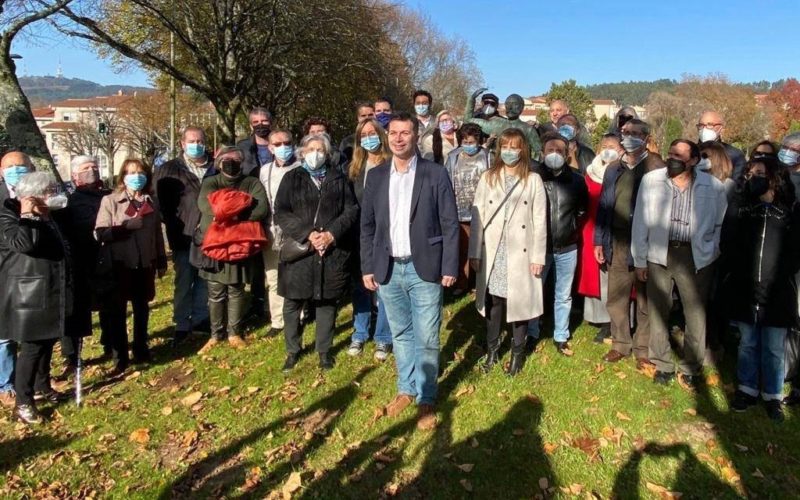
{"x":761,"y":353}
{"x":190,"y":305}
{"x":8,"y":359}
{"x":362,"y":316}
{"x":565,"y":264}
{"x":414,"y":310}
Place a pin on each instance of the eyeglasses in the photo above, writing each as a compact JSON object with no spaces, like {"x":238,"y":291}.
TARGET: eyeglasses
{"x":285,"y":143}
{"x":701,"y":126}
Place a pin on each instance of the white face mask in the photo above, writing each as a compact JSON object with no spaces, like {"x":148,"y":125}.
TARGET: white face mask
{"x":609,"y":155}
{"x":314,"y":159}
{"x":57,"y":201}
{"x":554,"y":161}
{"x":708,"y":134}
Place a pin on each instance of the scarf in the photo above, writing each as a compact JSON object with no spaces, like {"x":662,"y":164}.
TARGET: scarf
{"x":596,"y":170}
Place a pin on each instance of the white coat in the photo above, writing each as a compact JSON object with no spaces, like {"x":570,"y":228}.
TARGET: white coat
{"x":526,"y":242}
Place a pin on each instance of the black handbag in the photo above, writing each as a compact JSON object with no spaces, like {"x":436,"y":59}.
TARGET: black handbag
{"x":292,"y":250}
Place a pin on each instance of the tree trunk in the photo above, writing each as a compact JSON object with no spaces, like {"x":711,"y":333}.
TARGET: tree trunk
{"x":17,"y":118}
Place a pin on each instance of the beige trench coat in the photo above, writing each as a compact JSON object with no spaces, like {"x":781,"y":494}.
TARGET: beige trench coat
{"x":526,"y":242}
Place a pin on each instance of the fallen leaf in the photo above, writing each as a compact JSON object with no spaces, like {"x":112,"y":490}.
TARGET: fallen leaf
{"x":621,"y":375}
{"x":466,"y":467}
{"x":192,"y":398}
{"x":663,"y":492}
{"x":713,"y":380}
{"x":518,"y":432}
{"x":224,"y":390}
{"x":379,"y":413}
{"x":730,"y":474}
{"x":550,"y":448}
{"x":623,"y":417}
{"x":190,"y":438}
{"x":466,"y":485}
{"x":383,"y":457}
{"x":166,"y":411}
{"x":741,"y":447}
{"x":757,"y":473}
{"x":465,"y":391}
{"x":473,"y":442}
{"x":588,"y":445}
{"x":690,"y":411}
{"x":575,"y":488}
{"x":141,"y":436}
{"x":294,"y":483}
{"x":599,"y":368}
{"x":253,"y":390}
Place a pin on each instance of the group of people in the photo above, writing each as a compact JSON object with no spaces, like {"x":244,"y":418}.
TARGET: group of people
{"x":411,"y":204}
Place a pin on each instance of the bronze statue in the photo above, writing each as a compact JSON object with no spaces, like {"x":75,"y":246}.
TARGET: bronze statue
{"x":495,"y":126}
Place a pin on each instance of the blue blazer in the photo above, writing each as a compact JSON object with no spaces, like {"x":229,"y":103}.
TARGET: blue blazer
{"x":434,"y":224}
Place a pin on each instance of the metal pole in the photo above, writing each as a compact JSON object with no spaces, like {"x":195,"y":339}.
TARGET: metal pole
{"x":172,"y":104}
{"x":78,"y":374}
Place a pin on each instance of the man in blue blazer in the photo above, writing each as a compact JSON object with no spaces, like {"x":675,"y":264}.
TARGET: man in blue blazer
{"x":409,"y":251}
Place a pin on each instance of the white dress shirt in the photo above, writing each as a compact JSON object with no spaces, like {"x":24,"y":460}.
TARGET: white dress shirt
{"x":401,"y":186}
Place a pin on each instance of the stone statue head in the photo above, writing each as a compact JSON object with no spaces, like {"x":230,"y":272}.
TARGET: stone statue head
{"x":514,"y":106}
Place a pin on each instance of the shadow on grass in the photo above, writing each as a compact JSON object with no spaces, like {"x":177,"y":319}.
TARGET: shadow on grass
{"x":222,"y":473}
{"x":692,"y":475}
{"x":14,"y":452}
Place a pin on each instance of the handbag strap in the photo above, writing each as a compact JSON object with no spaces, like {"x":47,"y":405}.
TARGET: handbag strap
{"x":501,"y":204}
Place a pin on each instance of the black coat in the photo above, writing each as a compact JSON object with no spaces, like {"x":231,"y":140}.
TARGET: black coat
{"x":567,"y":199}
{"x":176,"y":190}
{"x":315,"y":277}
{"x":78,"y":227}
{"x":251,"y":165}
{"x":761,"y":247}
{"x":35,"y":293}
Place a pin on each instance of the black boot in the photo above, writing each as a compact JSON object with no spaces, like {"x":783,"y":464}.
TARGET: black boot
{"x":492,"y":356}
{"x":518,"y":357}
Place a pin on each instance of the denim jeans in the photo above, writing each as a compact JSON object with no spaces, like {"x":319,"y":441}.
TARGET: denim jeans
{"x":761,"y":355}
{"x":8,"y":358}
{"x":362,"y":316}
{"x":414,"y":310}
{"x":565,"y":264}
{"x":190,"y":305}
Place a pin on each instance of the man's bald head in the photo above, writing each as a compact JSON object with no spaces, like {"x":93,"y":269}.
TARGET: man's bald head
{"x":710,"y":126}
{"x":711,"y":118}
{"x":15,"y":158}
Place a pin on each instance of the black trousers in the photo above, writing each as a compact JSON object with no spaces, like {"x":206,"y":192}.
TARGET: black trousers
{"x":495,"y":317}
{"x":293,"y":332}
{"x":257,"y":285}
{"x":225,"y":308}
{"x":139,"y":287}
{"x":33,"y":369}
{"x":69,"y":343}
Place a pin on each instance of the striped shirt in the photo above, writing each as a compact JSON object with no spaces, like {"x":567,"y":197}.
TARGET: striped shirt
{"x":679,"y":229}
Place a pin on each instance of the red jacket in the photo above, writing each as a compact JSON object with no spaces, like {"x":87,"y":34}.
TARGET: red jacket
{"x":228,"y":239}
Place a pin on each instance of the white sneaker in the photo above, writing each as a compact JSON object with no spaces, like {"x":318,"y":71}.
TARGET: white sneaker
{"x":356,"y":348}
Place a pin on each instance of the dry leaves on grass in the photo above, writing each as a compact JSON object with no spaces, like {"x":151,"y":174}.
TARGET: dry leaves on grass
{"x":192,"y":399}
{"x":466,"y":485}
{"x":623,"y":417}
{"x":550,"y":448}
{"x":140,"y":436}
{"x":587,"y":444}
{"x":292,"y":484}
{"x":465,"y":391}
{"x":466,"y":467}
{"x":662,"y":492}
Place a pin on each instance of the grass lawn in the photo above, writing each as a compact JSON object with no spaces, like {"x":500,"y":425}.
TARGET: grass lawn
{"x":229,"y":424}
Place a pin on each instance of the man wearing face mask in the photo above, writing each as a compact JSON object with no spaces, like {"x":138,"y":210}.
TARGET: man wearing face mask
{"x":789,"y":156}
{"x":271,"y":176}
{"x":255,"y":149}
{"x":488,"y":107}
{"x":566,"y":206}
{"x":709,"y":128}
{"x":676,"y":234}
{"x":177,"y":185}
{"x":227,"y":280}
{"x":78,"y":228}
{"x":423,"y":102}
{"x":579,"y":156}
{"x":612,"y":243}
{"x":383,"y":111}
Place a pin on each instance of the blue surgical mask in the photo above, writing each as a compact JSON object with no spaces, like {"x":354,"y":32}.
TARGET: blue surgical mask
{"x":371,"y":143}
{"x":383,"y":119}
{"x":470,"y":149}
{"x":14,"y":173}
{"x":788,"y":157}
{"x":135,"y":182}
{"x":631,"y":143}
{"x":422,"y":109}
{"x":567,"y":132}
{"x":284,"y":152}
{"x":509,"y":156}
{"x":195,"y":150}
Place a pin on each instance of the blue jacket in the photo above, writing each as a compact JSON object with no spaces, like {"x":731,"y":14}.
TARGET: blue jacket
{"x":434,"y":224}
{"x":608,"y":197}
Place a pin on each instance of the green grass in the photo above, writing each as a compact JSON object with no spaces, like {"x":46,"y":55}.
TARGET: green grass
{"x":565,"y":427}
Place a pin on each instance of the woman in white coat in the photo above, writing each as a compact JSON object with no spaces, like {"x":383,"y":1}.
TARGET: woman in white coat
{"x":507,"y":246}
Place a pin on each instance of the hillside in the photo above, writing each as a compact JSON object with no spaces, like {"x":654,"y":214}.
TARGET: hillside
{"x":42,"y":90}
{"x":636,"y":93}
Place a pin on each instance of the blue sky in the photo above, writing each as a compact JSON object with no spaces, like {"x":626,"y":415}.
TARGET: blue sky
{"x":523,"y":46}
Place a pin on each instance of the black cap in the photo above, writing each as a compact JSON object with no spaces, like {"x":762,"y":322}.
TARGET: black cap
{"x":490,"y":97}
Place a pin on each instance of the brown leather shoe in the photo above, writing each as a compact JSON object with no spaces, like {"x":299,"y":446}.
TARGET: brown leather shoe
{"x":614,"y":356}
{"x":237,"y":342}
{"x":208,"y":345}
{"x":398,"y":404}
{"x":426,"y":417}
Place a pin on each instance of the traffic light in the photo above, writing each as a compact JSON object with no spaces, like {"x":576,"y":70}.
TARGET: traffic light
{"x":102,"y":128}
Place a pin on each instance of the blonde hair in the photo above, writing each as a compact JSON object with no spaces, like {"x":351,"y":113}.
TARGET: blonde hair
{"x":522,"y":168}
{"x":360,"y":155}
{"x":721,"y":166}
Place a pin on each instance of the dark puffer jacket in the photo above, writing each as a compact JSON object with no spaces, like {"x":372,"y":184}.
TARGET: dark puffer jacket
{"x":315,"y":277}
{"x":761,"y":246}
{"x":35,"y":291}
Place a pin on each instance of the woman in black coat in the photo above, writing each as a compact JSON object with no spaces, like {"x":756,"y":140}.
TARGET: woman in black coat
{"x":315,"y":204}
{"x":35,"y":291}
{"x":761,"y":247}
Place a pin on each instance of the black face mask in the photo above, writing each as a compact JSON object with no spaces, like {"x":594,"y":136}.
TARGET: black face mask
{"x":262,"y":130}
{"x":675,"y":167}
{"x":231,"y":168}
{"x":757,"y":186}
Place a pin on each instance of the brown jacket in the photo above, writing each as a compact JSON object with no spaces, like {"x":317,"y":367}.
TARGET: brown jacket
{"x":134,"y":248}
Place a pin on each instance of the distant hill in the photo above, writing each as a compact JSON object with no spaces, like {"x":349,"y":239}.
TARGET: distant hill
{"x":42,"y":90}
{"x":636,"y":93}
